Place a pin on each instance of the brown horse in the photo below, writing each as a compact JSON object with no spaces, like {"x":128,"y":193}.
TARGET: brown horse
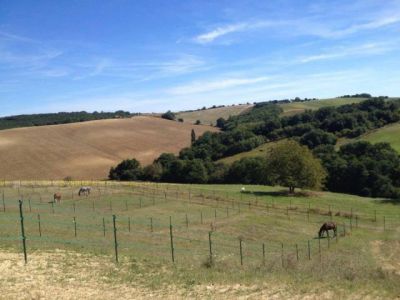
{"x":326,"y":227}
{"x":57,"y":197}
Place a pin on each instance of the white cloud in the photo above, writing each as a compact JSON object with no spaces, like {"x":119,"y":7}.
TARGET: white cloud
{"x":340,"y":52}
{"x":208,"y":86}
{"x":218,"y":32}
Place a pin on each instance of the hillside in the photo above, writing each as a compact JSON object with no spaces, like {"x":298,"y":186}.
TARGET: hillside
{"x":210,"y":115}
{"x":298,"y":107}
{"x":388,"y":134}
{"x":87,"y":150}
{"x":259,"y":151}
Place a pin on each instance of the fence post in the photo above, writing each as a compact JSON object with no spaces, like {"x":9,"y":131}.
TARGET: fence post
{"x":356,"y":221}
{"x":4,"y":204}
{"x":210,"y":247}
{"x":297,"y":252}
{"x":129,"y":224}
{"x":344,"y":229}
{"x":309,"y":250}
{"x":263,"y":253}
{"x":172,"y":240}
{"x":329,"y":242}
{"x":104,"y":227}
{"x":40,"y":228}
{"x":187,"y":221}
{"x":30,"y":206}
{"x":282,"y":255}
{"x":115,"y":239}
{"x":201,"y":217}
{"x":151,"y":224}
{"x":21,"y":214}
{"x":73,"y":204}
{"x":75,"y":225}
{"x":319,"y":248}
{"x":241,"y":252}
{"x":215,"y":214}
{"x":384,"y":223}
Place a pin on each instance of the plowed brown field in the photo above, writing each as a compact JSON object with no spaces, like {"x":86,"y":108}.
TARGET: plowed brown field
{"x":87,"y":150}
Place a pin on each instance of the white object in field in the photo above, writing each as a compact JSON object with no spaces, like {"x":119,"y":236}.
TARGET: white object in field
{"x":243,"y":189}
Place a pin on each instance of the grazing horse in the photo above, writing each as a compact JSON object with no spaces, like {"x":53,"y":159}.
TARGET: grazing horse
{"x":85,"y":190}
{"x":326,"y":227}
{"x":57,"y":197}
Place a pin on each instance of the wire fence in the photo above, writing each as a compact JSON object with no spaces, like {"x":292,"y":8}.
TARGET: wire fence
{"x":103,"y":223}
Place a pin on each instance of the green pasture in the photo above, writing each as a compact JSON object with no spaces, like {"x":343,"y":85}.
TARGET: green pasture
{"x":258,"y":234}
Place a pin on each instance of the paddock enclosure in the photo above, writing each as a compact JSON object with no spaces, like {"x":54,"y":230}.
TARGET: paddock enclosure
{"x":202,"y":227}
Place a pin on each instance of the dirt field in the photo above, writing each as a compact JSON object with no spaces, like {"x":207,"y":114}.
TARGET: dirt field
{"x":87,"y":150}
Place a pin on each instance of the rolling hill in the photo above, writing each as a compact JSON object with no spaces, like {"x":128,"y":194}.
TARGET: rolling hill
{"x":87,"y":150}
{"x":298,"y":107}
{"x":210,"y":115}
{"x":388,"y":134}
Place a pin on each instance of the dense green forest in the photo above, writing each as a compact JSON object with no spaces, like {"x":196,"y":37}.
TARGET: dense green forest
{"x":358,"y":168}
{"x":59,"y":118}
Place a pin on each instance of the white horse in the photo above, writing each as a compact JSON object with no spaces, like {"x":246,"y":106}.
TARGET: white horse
{"x":85,"y":190}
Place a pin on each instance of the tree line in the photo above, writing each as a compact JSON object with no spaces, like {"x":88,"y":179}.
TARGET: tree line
{"x":59,"y":118}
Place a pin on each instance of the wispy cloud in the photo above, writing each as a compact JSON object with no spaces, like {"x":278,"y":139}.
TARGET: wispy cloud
{"x":208,"y":86}
{"x":332,"y":32}
{"x":218,"y":32}
{"x":341,"y":52}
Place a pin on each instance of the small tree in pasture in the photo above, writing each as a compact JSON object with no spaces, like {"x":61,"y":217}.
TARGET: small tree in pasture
{"x":292,"y":165}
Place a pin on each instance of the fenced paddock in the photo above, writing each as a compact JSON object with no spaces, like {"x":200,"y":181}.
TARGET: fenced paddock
{"x":200,"y":227}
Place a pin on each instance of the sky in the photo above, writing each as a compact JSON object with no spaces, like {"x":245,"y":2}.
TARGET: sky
{"x":154,"y":56}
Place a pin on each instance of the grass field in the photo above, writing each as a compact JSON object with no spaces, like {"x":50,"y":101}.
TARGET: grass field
{"x":298,"y":107}
{"x":360,"y":263}
{"x":388,"y":134}
{"x":256,"y":152}
{"x":210,"y":116}
{"x":88,"y":150}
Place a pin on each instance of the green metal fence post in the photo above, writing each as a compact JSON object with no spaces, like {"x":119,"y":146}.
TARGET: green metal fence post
{"x":115,"y":238}
{"x":21,"y":214}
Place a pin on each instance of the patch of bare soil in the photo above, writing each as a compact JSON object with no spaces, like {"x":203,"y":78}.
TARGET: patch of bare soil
{"x":70,"y":275}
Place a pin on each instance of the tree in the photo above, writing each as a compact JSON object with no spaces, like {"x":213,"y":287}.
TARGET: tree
{"x":293,"y":165}
{"x":198,"y":122}
{"x":169,"y":115}
{"x":128,"y":169}
{"x":193,"y":136}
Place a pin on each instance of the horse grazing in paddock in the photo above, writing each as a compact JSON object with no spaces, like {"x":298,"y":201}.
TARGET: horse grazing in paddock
{"x":85,"y":190}
{"x":326,"y":227}
{"x":57,"y":197}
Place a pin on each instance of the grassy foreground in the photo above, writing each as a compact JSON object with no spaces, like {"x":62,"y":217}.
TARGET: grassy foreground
{"x":273,"y":230}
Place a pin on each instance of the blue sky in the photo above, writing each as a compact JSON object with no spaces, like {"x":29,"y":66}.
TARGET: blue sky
{"x":151,"y":56}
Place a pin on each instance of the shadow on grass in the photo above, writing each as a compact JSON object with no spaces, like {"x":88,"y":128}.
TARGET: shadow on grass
{"x":281,"y":193}
{"x":388,"y":201}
